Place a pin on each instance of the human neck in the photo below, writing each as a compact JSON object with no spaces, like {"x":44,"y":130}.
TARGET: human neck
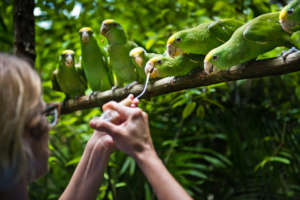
{"x":16,"y":192}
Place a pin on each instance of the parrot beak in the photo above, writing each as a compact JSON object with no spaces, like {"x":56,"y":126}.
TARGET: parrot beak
{"x":104,"y":29}
{"x":138,"y":60}
{"x":173,"y":51}
{"x":85,"y":37}
{"x":69,"y":60}
{"x":283,"y":19}
{"x":149,"y":68}
{"x":208,"y":67}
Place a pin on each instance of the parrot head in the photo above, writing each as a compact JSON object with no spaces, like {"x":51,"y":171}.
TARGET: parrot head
{"x":173,"y":45}
{"x":138,"y":54}
{"x":112,"y":30}
{"x":210,"y":61}
{"x":289,"y":17}
{"x":67,"y":56}
{"x":85,"y":34}
{"x":153,"y":65}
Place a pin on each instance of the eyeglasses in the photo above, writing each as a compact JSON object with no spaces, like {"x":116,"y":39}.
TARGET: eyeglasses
{"x":52,"y":113}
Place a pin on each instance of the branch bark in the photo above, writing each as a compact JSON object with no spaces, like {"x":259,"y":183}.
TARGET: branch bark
{"x":24,"y":32}
{"x":254,"y":69}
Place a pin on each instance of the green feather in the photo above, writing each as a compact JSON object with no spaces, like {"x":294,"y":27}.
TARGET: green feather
{"x":180,"y":65}
{"x":95,"y":65}
{"x":68,"y":80}
{"x":202,"y":38}
{"x":256,"y":37}
{"x":122,"y":65}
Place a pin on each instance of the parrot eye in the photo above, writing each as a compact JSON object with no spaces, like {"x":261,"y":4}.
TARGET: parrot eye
{"x":178,"y":39}
{"x":290,"y":11}
{"x":215,"y":57}
{"x":158,"y":62}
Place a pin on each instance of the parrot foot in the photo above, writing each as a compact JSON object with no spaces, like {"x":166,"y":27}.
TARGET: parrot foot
{"x":285,"y":54}
{"x":130,"y":85}
{"x":93,"y":95}
{"x":113,"y":88}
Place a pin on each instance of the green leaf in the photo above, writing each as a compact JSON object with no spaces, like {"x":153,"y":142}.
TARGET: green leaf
{"x":200,"y":112}
{"x":272,"y":159}
{"x":189,"y":108}
{"x":73,"y":161}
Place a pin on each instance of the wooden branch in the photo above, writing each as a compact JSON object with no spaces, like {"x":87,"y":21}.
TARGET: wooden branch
{"x":166,"y":85}
{"x":24,"y":31}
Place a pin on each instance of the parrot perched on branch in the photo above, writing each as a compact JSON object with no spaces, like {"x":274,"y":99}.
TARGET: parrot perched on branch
{"x":202,"y":38}
{"x":119,"y":47}
{"x":256,"y":37}
{"x":94,"y":62}
{"x":290,"y":17}
{"x":163,"y":66}
{"x":67,"y":78}
{"x":140,"y":57}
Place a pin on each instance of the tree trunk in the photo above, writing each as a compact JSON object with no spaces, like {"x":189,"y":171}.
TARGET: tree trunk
{"x":24,"y":32}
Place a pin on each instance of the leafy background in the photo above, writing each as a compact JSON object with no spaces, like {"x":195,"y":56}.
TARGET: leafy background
{"x":236,"y":140}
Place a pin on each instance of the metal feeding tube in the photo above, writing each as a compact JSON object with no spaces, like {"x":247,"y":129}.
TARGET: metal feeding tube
{"x":109,"y":115}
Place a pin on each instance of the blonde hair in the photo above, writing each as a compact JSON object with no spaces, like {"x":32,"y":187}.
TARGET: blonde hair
{"x":20,"y":97}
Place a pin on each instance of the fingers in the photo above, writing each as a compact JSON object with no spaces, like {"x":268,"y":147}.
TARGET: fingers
{"x":121,"y":109}
{"x":105,"y":126}
{"x":134,"y":103}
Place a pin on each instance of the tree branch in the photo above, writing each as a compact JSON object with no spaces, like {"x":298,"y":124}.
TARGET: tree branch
{"x":166,"y":85}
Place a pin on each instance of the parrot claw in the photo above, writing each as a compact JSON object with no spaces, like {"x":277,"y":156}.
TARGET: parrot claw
{"x":93,"y":94}
{"x":130,"y":85}
{"x":285,"y":54}
{"x":113,"y":88}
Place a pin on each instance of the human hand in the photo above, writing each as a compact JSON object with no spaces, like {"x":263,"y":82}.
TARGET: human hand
{"x":130,"y":132}
{"x":101,"y":141}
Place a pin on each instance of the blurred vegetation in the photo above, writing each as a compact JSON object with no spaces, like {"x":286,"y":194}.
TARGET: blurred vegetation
{"x":237,"y":140}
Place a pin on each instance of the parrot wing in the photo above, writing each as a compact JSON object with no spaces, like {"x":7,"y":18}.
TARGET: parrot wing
{"x":55,"y":85}
{"x":263,"y":29}
{"x":295,"y":39}
{"x":223,"y":29}
{"x":82,"y":77}
{"x":132,"y":44}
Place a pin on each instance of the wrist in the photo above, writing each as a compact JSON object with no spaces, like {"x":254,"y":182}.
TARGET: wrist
{"x":145,"y":156}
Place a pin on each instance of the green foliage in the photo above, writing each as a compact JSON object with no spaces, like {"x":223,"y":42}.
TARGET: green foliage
{"x":237,"y":140}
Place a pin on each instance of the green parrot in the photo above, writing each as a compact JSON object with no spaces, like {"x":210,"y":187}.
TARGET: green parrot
{"x":122,"y":65}
{"x":163,"y":66}
{"x":256,"y":37}
{"x":295,"y":38}
{"x":68,"y":78}
{"x":140,"y":56}
{"x":289,"y":17}
{"x":94,"y":62}
{"x":202,"y":38}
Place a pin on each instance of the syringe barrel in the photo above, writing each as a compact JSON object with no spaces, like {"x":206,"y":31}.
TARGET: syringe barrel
{"x":111,"y":115}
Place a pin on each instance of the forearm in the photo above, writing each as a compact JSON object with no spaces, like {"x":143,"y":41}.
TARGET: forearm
{"x":162,"y":182}
{"x":88,"y":174}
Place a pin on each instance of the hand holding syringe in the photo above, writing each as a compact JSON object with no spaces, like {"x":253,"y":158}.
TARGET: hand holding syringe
{"x":111,"y":115}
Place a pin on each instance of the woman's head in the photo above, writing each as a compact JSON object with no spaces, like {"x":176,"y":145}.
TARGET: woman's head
{"x":24,"y":131}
